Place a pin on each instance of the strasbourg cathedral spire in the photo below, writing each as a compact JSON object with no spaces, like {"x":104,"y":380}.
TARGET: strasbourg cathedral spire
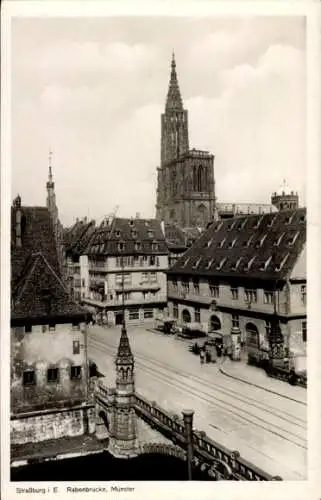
{"x":185,"y":180}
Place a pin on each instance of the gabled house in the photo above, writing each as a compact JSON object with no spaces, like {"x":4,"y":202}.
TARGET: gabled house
{"x":124,"y":268}
{"x":49,"y":366}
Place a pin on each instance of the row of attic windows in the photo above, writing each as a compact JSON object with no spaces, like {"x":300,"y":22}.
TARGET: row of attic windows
{"x":134,"y":233}
{"x":218,"y":265}
{"x":121,"y":247}
{"x":281,"y":238}
{"x":257,"y":222}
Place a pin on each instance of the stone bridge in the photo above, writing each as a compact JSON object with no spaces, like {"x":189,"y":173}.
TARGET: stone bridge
{"x":203,"y":452}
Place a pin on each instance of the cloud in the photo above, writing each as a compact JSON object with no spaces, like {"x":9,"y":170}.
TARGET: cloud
{"x":91,"y":57}
{"x":98,"y":105}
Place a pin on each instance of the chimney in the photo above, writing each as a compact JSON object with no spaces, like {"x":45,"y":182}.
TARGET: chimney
{"x":163,"y":227}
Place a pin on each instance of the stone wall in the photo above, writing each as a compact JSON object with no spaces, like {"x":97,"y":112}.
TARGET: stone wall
{"x":38,"y":427}
{"x":42,"y":349}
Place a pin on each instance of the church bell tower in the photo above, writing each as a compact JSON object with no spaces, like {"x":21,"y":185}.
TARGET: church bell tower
{"x":174,"y":122}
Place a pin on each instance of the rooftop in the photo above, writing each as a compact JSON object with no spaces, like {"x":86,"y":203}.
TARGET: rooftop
{"x":262,"y":246}
{"x":37,"y":289}
{"x":121,"y":236}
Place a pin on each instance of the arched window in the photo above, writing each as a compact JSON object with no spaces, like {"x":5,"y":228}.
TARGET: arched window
{"x":201,"y":179}
{"x":186,"y":316}
{"x":215,"y":324}
{"x":195,"y":178}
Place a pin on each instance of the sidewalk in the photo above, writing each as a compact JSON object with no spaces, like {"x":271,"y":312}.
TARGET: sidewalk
{"x":257,"y":377}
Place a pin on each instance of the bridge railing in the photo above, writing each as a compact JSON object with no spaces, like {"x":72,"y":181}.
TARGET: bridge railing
{"x":204,"y":447}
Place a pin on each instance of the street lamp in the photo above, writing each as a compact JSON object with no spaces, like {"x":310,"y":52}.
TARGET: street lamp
{"x":276,"y":351}
{"x":123,"y":286}
{"x":188,"y":424}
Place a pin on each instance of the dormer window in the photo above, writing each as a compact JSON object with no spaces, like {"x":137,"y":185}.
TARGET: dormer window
{"x":265,"y":264}
{"x":278,"y":240}
{"x":293,"y":239}
{"x":248,"y":242}
{"x":237,"y":263}
{"x":146,"y":223}
{"x":196,"y":264}
{"x":288,"y":219}
{"x":138,"y":245}
{"x":280,"y":266}
{"x":256,"y":225}
{"x":218,"y":227}
{"x":117,"y":234}
{"x":134,"y":233}
{"x":232,"y":243}
{"x":120,"y":246}
{"x":150,"y":234}
{"x":220,"y":245}
{"x":260,"y":242}
{"x":186,"y":261}
{"x":302,"y":219}
{"x":242,"y":225}
{"x":154,"y":246}
{"x":221,"y":264}
{"x":210,"y":262}
{"x":231,"y":226}
{"x":249,"y":264}
{"x":131,"y":222}
{"x":271,"y":222}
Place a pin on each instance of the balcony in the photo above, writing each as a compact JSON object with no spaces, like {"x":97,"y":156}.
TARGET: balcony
{"x":141,"y":287}
{"x":160,"y":298}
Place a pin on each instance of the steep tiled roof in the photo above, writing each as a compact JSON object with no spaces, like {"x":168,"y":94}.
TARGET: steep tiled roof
{"x":37,"y":236}
{"x":77,"y":238}
{"x":37,"y":291}
{"x":128,"y":236}
{"x":256,"y":246}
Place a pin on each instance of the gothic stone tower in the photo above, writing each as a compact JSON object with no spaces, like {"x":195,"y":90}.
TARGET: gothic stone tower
{"x":53,"y":210}
{"x":123,"y":439}
{"x":185,"y":178}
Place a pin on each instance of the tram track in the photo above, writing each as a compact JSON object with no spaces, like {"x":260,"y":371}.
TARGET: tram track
{"x":213,"y":384}
{"x":162,"y":371}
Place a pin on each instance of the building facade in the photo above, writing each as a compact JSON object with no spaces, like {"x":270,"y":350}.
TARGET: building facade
{"x":285,"y":198}
{"x":49,"y":368}
{"x":185,"y":178}
{"x":124,"y":269}
{"x":76,"y":240}
{"x":243,"y":273}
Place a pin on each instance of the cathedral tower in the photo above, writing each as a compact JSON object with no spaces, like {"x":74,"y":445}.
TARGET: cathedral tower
{"x":174,"y":122}
{"x":185,"y":179}
{"x":123,"y":442}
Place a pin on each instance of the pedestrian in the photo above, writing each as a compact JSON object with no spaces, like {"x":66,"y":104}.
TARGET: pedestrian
{"x":202,"y":356}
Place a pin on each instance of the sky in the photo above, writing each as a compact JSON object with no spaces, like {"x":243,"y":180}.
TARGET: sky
{"x":92,"y":90}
